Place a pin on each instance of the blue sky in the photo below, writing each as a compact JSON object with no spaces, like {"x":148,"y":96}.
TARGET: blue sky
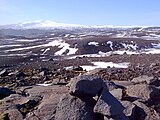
{"x":85,"y":12}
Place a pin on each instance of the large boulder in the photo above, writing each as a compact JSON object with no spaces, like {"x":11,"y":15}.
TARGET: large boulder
{"x":143,"y":91}
{"x":74,"y":108}
{"x":108,"y":105}
{"x":86,"y":85}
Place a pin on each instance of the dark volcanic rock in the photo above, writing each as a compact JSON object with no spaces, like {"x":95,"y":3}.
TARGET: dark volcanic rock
{"x":86,"y":85}
{"x":20,"y":74}
{"x":78,"y":68}
{"x":4,"y":92}
{"x":74,"y":108}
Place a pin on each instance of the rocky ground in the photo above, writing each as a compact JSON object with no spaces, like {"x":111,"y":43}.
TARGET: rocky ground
{"x":47,"y":91}
{"x":42,"y":77}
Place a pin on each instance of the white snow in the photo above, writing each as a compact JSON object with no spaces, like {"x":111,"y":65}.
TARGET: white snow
{"x":72,"y":36}
{"x":52,"y":34}
{"x":105,"y":65}
{"x":4,"y":46}
{"x":130,"y":46}
{"x":104,"y":54}
{"x":82,"y":35}
{"x":66,"y":35}
{"x":111,"y":44}
{"x":121,"y":52}
{"x":59,"y":43}
{"x":93,"y":43}
{"x":46,"y":50}
{"x":43,"y":84}
{"x":120,"y":35}
{"x":25,"y":48}
{"x":41,"y":24}
{"x":42,"y":50}
{"x":27,"y":40}
{"x":156,"y":45}
{"x":152,"y":51}
{"x":15,"y":55}
{"x":64,"y":46}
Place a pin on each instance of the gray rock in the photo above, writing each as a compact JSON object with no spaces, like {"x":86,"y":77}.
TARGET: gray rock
{"x":14,"y":114}
{"x":123,"y":83}
{"x":144,"y":113}
{"x":129,"y":110}
{"x":86,"y":85}
{"x":117,"y":93}
{"x":47,"y":108}
{"x":143,"y":91}
{"x":58,"y":81}
{"x":45,"y":91}
{"x":74,"y":108}
{"x":142,"y":79}
{"x":108,"y":105}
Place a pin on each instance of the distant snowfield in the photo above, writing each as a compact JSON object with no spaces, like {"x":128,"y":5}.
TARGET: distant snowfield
{"x":102,"y":65}
{"x":152,"y":51}
{"x":59,"y":43}
{"x":4,"y":46}
{"x":27,"y":40}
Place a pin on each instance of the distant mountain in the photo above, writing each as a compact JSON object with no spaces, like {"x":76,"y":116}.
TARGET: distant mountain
{"x":41,"y":24}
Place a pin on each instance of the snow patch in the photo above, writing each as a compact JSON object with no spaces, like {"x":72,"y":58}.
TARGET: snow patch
{"x":152,"y":51}
{"x":59,"y":43}
{"x":130,"y":46}
{"x":5,"y":46}
{"x":43,"y":84}
{"x":46,"y":50}
{"x":93,"y":43}
{"x":156,"y":45}
{"x":111,"y":44}
{"x":105,"y":65}
{"x":27,"y":40}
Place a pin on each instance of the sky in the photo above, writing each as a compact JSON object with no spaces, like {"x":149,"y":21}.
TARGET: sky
{"x":83,"y":12}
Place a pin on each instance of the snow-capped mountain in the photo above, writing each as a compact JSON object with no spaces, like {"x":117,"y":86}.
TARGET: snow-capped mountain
{"x":41,"y":24}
